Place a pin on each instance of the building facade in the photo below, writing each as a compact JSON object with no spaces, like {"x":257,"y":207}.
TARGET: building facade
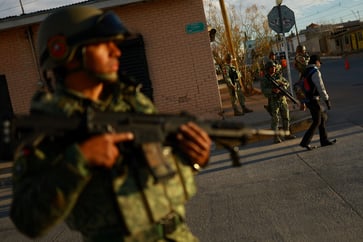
{"x":331,"y":39}
{"x":175,"y":45}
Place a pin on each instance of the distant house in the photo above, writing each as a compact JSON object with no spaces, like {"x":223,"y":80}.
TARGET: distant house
{"x":348,"y":37}
{"x":332,"y":39}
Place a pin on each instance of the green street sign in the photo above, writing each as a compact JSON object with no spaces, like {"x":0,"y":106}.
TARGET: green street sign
{"x":193,"y":28}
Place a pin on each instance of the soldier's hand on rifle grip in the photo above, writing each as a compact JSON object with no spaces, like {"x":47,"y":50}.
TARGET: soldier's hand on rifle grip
{"x":102,"y":150}
{"x":195,"y":143}
{"x":276,"y":90}
{"x":302,"y":107}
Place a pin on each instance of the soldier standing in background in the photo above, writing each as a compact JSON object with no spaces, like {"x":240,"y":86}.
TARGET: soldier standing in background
{"x":277,"y":101}
{"x":301,"y":59}
{"x":234,"y":87}
{"x":272,"y":57}
{"x":278,"y":67}
{"x":104,"y":192}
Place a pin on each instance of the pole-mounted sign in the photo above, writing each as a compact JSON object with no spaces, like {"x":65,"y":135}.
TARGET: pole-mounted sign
{"x":287,"y":16}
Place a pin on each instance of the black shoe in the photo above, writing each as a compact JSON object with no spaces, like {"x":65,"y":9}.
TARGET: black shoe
{"x":308,"y":147}
{"x":329,"y":142}
{"x":247,"y":110}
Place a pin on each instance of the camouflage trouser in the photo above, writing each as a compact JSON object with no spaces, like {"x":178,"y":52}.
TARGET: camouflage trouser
{"x":155,"y":234}
{"x":236,"y":96}
{"x":279,"y":106}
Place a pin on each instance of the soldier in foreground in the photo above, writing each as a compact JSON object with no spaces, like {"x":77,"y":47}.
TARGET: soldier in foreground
{"x":99,"y":189}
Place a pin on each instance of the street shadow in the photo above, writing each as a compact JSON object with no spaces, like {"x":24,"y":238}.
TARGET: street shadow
{"x":5,"y":209}
{"x":228,"y":161}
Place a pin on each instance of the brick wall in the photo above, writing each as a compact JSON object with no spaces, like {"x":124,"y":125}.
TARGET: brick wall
{"x":180,"y":64}
{"x":18,"y":65}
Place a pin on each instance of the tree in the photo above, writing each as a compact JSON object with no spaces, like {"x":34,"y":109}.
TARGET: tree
{"x":246,"y":24}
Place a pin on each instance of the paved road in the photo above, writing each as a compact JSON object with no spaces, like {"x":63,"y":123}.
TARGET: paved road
{"x":282,"y":192}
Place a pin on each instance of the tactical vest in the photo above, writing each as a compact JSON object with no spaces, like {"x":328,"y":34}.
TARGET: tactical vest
{"x":127,"y":197}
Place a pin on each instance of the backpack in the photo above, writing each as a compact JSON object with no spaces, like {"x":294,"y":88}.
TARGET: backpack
{"x":233,"y":74}
{"x":303,"y":87}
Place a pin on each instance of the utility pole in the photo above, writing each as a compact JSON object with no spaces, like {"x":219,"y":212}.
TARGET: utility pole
{"x":227,"y":26}
{"x":22,"y":7}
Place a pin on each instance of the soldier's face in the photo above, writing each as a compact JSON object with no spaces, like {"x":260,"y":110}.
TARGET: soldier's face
{"x":102,"y":59}
{"x":272,"y":70}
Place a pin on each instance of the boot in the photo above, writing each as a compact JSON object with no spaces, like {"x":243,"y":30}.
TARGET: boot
{"x":238,"y":113}
{"x":277,"y":139}
{"x":246,"y":109}
{"x":288,"y":134}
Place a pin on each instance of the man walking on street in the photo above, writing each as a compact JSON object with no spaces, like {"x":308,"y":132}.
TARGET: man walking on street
{"x":316,"y":92}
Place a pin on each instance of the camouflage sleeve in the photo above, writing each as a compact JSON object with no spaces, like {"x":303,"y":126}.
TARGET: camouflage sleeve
{"x":47,"y":181}
{"x":266,"y":87}
{"x":226,"y":76}
{"x":285,"y":82}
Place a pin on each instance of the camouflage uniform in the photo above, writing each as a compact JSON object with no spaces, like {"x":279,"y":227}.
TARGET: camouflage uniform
{"x":119,"y":204}
{"x":236,"y":94}
{"x":301,"y":59}
{"x":277,"y":102}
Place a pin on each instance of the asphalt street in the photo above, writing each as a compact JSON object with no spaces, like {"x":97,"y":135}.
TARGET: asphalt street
{"x":281,"y":192}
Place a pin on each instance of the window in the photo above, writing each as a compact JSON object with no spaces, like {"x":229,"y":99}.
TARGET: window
{"x":346,"y":39}
{"x":133,"y":63}
{"x":360,"y":36}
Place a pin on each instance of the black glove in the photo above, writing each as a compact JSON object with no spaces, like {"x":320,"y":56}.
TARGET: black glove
{"x":328,"y":104}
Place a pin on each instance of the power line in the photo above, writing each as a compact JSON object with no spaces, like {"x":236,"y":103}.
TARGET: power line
{"x":332,"y":13}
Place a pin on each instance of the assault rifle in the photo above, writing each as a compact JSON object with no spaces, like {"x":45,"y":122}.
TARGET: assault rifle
{"x":284,"y":91}
{"x":147,"y":129}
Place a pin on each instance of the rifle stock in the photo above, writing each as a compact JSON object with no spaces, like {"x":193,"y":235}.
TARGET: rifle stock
{"x":147,"y":128}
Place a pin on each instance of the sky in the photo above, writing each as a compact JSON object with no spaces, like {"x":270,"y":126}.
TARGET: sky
{"x":306,"y":11}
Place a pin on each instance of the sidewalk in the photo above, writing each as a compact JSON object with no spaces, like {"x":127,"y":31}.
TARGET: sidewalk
{"x":260,"y":119}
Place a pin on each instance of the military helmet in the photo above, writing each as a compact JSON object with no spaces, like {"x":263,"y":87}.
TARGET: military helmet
{"x":300,"y":48}
{"x":228,"y":57}
{"x":269,"y":64}
{"x":62,"y":33}
{"x":271,"y":54}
